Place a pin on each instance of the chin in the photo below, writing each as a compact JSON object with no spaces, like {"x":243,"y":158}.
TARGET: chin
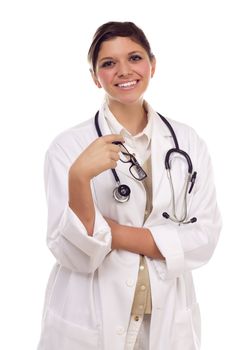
{"x":129,"y":100}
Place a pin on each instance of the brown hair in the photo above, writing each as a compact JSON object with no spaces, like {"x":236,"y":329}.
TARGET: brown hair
{"x":111,"y":30}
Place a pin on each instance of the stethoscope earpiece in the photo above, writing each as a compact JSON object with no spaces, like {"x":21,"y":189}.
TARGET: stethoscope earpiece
{"x":121,"y":193}
{"x":190,"y":221}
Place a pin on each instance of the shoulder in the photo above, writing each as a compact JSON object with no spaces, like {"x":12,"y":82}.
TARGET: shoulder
{"x":70,"y":142}
{"x":188,"y":138}
{"x":191,"y":142}
{"x":182,"y":130}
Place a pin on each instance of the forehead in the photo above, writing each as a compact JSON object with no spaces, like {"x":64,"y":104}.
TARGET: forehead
{"x":118,"y":46}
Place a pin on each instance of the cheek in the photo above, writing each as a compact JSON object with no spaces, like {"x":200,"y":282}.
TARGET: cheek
{"x":104,"y":77}
{"x":145,"y":69}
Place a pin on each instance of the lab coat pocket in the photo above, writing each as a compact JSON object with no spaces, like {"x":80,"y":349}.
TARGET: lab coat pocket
{"x":59,"y":334}
{"x":187,"y":329}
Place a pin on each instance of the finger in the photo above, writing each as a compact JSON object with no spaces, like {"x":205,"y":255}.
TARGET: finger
{"x":113,"y":138}
{"x":113,"y":164}
{"x":110,"y":155}
{"x":114,"y":148}
{"x":114,"y":156}
{"x":110,"y":164}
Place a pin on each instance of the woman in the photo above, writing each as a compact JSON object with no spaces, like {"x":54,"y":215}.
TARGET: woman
{"x":126,"y":241}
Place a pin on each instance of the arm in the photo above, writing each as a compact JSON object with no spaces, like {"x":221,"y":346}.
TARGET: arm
{"x":85,"y":210}
{"x":99,"y":156}
{"x":134,"y":239}
{"x":77,"y":245}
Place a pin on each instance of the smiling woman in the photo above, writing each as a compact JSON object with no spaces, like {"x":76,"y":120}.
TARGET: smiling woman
{"x":128,"y":68}
{"x":123,"y":278}
{"x":123,"y":69}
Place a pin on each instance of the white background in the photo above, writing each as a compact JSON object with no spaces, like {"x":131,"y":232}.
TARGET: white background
{"x":46,"y":88}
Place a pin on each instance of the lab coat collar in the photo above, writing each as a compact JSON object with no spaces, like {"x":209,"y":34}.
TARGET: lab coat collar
{"x":117,"y":128}
{"x":152,"y":115}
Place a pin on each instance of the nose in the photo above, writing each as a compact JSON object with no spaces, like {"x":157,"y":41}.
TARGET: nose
{"x":124,"y":69}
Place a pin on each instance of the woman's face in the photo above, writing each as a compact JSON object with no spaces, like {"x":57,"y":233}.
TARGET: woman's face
{"x":123,"y":70}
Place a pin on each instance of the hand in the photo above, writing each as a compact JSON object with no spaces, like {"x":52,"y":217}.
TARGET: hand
{"x":99,"y":156}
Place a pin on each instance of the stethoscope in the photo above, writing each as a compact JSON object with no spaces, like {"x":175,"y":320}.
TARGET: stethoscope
{"x":121,"y":193}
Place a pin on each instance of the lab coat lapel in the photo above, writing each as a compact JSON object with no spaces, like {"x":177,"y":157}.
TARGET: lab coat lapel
{"x":162,"y":141}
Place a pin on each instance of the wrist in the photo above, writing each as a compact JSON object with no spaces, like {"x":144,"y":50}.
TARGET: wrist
{"x":117,"y":236}
{"x":78,"y":176}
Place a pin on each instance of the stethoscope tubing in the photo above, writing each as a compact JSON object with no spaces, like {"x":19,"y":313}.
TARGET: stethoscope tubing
{"x":183,"y":153}
{"x":170,"y":129}
{"x":100,"y":134}
{"x":189,"y":182}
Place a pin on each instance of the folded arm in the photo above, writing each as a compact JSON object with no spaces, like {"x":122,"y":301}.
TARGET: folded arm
{"x":134,"y":239}
{"x":176,"y":249}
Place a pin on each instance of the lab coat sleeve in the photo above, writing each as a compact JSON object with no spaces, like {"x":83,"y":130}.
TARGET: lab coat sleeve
{"x":190,"y":246}
{"x":67,"y":237}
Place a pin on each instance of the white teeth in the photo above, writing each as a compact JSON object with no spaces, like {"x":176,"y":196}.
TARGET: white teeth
{"x":130,"y":83}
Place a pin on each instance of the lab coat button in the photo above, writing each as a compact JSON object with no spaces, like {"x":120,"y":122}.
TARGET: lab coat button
{"x":142,"y":267}
{"x":130,"y":283}
{"x":143,"y":287}
{"x":120,"y":330}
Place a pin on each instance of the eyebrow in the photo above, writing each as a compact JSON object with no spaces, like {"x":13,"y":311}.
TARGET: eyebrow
{"x":129,"y":54}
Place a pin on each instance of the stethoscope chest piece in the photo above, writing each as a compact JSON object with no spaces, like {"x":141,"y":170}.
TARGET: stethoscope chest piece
{"x":121,"y":193}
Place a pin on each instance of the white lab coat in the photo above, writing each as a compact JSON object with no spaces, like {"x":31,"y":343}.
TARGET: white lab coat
{"x":91,"y":288}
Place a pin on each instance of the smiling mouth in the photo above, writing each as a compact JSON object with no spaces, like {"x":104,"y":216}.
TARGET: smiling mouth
{"x":127,"y":85}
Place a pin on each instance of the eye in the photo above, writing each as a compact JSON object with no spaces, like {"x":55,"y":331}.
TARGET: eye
{"x":135,"y":57}
{"x":108,"y":64}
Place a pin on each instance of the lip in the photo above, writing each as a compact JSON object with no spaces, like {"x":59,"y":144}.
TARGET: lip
{"x":128,"y":84}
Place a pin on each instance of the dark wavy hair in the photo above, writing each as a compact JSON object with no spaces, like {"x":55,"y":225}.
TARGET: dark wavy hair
{"x":111,"y":30}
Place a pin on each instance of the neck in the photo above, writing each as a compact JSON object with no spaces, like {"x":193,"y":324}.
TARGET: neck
{"x":133,"y":117}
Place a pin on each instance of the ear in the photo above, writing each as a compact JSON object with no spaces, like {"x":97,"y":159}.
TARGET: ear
{"x":153,"y":65}
{"x":94,"y":78}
